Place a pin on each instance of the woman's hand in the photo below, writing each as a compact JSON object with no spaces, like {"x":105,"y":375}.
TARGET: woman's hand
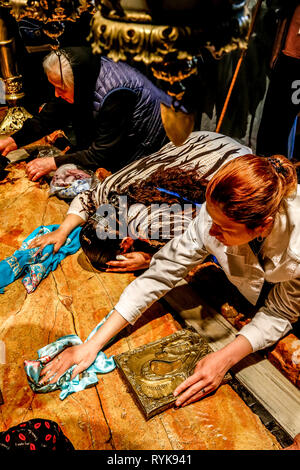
{"x":7,"y":145}
{"x":208,"y":375}
{"x":39,"y":167}
{"x":56,"y":238}
{"x":209,"y":372}
{"x":135,"y":261}
{"x":82,"y":355}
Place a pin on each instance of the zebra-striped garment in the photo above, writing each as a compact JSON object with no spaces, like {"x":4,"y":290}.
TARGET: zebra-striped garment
{"x":204,"y":151}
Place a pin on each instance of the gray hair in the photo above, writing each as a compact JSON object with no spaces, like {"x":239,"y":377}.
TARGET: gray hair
{"x":51,"y":66}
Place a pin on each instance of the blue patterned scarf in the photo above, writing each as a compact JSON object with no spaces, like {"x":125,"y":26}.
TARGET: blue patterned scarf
{"x":36,"y":267}
{"x":101,"y":365}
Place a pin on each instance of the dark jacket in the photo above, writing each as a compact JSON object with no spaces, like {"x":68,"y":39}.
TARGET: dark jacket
{"x":115,"y":115}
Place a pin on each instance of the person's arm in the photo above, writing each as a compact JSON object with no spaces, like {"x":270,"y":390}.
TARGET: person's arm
{"x":168,"y":266}
{"x":168,"y":223}
{"x":59,"y":236}
{"x":134,"y":261}
{"x":7,"y":144}
{"x":209,"y":372}
{"x":275,"y":318}
{"x":84,"y":354}
{"x":269,"y":324}
{"x":86,"y":203}
{"x":55,"y":115}
{"x":112,"y":142}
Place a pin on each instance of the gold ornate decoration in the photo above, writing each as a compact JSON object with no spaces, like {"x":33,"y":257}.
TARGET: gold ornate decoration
{"x":13,"y":88}
{"x":167,"y":35}
{"x":13,"y":120}
{"x":16,"y":114}
{"x":142,"y":42}
{"x":47,"y":10}
{"x":154,"y":371}
{"x":52,"y":13}
{"x":150,"y":43}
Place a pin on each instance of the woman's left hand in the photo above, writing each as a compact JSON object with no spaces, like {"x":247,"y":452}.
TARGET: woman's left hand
{"x":83,"y":355}
{"x":40,"y":167}
{"x":135,"y":261}
{"x":207,"y":376}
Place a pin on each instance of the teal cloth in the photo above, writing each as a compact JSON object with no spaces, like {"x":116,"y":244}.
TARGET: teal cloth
{"x":36,"y":266}
{"x":101,"y":365}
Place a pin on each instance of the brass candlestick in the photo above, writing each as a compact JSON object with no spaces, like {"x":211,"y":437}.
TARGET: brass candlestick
{"x":170,"y":36}
{"x":16,"y":114}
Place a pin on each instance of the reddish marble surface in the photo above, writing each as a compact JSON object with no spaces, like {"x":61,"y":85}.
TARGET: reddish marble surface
{"x":72,"y":300}
{"x":286,"y":357}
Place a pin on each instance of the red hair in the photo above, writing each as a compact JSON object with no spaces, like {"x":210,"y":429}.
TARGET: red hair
{"x":250,"y":188}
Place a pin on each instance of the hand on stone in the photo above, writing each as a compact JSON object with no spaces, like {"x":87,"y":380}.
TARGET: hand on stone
{"x":7,"y":145}
{"x":82,"y":356}
{"x":40,"y":167}
{"x":134,"y":262}
{"x":56,"y":238}
{"x":207,"y":376}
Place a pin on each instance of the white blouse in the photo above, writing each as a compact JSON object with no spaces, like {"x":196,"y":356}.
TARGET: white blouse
{"x":281,"y":267}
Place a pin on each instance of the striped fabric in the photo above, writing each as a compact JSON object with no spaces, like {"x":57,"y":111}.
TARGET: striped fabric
{"x":205,"y":151}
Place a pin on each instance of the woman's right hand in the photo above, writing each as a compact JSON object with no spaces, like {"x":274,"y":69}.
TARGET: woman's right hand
{"x":56,"y":238}
{"x":59,"y":236}
{"x":7,"y":145}
{"x":134,"y":261}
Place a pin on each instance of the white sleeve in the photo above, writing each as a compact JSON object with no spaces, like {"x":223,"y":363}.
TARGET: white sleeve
{"x":275,"y":318}
{"x":168,"y":266}
{"x":84,"y":204}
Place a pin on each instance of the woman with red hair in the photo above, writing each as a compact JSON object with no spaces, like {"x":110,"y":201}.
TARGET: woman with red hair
{"x":251,"y":223}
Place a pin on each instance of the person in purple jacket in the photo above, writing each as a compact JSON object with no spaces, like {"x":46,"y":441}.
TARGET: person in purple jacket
{"x":114,"y":111}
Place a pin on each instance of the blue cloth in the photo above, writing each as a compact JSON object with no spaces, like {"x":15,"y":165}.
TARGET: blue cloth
{"x":178,"y":195}
{"x":36,"y":267}
{"x":101,"y":365}
{"x":291,"y":140}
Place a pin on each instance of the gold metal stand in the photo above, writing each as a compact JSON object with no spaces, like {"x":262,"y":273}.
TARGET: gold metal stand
{"x":170,"y":47}
{"x":13,"y":120}
{"x":16,"y":114}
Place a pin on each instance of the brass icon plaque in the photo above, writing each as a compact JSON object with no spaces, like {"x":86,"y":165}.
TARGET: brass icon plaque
{"x":154,"y":371}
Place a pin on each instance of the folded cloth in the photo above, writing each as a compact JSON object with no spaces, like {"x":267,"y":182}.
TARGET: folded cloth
{"x":36,"y":267}
{"x":70,"y":180}
{"x":73,"y":189}
{"x":101,"y":365}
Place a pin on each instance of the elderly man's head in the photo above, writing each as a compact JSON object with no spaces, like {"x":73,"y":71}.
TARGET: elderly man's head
{"x":60,"y":75}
